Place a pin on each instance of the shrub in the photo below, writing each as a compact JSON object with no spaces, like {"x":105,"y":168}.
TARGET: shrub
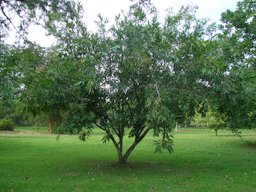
{"x":6,"y":125}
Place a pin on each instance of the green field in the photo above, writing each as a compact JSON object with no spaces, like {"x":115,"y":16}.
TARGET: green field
{"x":35,"y":161}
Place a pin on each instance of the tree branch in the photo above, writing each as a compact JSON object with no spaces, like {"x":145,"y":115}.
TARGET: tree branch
{"x":109,"y":134}
{"x":101,"y":127}
{"x":112,"y":139}
{"x":6,"y":16}
{"x":136,"y":142}
{"x":143,"y":134}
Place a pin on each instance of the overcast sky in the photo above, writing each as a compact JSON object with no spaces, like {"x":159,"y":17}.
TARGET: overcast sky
{"x":211,"y":9}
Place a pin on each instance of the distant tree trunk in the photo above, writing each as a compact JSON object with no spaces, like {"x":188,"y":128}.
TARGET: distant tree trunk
{"x":176,"y":127}
{"x":50,"y":124}
{"x":53,"y":122}
{"x":216,"y":132}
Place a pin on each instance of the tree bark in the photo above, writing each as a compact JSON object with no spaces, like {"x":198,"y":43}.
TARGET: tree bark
{"x":53,"y":122}
{"x":120,"y":150}
{"x":50,"y":124}
{"x":122,"y":159}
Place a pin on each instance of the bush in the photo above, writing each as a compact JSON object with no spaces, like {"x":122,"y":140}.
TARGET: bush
{"x":6,"y":125}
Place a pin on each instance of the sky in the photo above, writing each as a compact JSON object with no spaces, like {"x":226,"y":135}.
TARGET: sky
{"x":210,"y":9}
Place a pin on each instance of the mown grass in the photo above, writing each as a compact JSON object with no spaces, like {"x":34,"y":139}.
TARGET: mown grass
{"x":36,"y":161}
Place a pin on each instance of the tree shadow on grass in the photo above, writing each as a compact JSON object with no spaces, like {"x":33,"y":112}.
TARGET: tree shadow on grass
{"x":219,"y":135}
{"x":231,"y":135}
{"x":132,"y":165}
{"x":249,"y":144}
{"x":178,"y":166}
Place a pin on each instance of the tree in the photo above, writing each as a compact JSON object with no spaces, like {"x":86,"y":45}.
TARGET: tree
{"x":48,"y":83}
{"x":239,"y":27}
{"x":236,"y":90}
{"x":9,"y":86}
{"x":20,"y":14}
{"x":144,"y":77}
{"x":212,"y":119}
{"x":127,"y":91}
{"x":43,"y":77}
{"x":136,"y":77}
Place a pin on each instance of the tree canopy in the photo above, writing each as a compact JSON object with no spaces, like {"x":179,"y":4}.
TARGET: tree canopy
{"x":20,"y":14}
{"x":239,"y":83}
{"x":141,"y":76}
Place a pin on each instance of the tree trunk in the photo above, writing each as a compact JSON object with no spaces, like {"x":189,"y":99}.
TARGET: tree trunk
{"x":216,"y":132}
{"x":120,"y":153}
{"x":50,"y":124}
{"x":176,"y":127}
{"x":122,"y":159}
{"x":53,"y":122}
{"x":128,"y":152}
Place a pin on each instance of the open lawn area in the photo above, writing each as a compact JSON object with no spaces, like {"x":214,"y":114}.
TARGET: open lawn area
{"x":36,"y":161}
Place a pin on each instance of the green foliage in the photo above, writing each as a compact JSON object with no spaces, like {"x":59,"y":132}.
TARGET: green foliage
{"x":212,"y":119}
{"x":141,"y":81}
{"x":6,"y":125}
{"x":8,"y":71}
{"x":239,"y":26}
{"x":9,"y":85}
{"x":21,"y":14}
{"x":236,"y":92}
{"x":165,"y":144}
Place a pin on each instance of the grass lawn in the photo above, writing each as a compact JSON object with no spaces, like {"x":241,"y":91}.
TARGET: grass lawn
{"x":35,"y":161}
